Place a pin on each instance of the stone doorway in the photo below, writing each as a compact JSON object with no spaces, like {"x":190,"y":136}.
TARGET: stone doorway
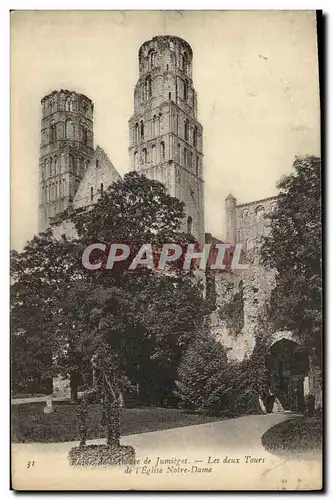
{"x":287,"y":365}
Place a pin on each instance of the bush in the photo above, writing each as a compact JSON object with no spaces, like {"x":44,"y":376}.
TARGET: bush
{"x":205,"y":377}
{"x":101,"y":455}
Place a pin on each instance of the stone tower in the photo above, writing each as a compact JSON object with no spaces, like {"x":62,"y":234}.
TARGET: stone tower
{"x":230,"y":205}
{"x":165,"y":136}
{"x":65,"y":150}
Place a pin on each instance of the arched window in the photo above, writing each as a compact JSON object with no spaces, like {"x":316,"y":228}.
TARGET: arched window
{"x":136,"y":160}
{"x":144,"y":156}
{"x":69,"y":129}
{"x":244,"y":214}
{"x":148,"y":87}
{"x":185,"y":62}
{"x":60,"y":189}
{"x":153,"y":132}
{"x":153,"y":154}
{"x":197,"y":166}
{"x":69,"y":104}
{"x":259,"y":213}
{"x":45,"y":169}
{"x":142,"y":130}
{"x":151,"y":59}
{"x":195,"y":137}
{"x":189,"y":224}
{"x":185,"y":157}
{"x":52,"y":131}
{"x":162,"y":151}
{"x":51,"y":167}
{"x":85,"y":135}
{"x":185,"y":91}
{"x":91,"y":193}
{"x":136,"y":136}
{"x":179,"y":153}
{"x":55,"y":166}
{"x":249,"y":244}
{"x":101,"y":188}
{"x":186,"y":130}
{"x":190,"y":159}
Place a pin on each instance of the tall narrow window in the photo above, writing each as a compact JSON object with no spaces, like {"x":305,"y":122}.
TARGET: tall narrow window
{"x":189,"y":224}
{"x":185,"y":157}
{"x":101,"y":188}
{"x":52,"y":131}
{"x":136,"y":139}
{"x":142,"y":130}
{"x":85,"y":135}
{"x":60,"y":189}
{"x":148,"y":87}
{"x":151,"y":59}
{"x":97,"y":163}
{"x":136,"y":160}
{"x":197,"y":166}
{"x":169,"y":96}
{"x":144,"y":156}
{"x":69,"y":130}
{"x":185,"y":62}
{"x":69,"y":104}
{"x":162,"y":151}
{"x":153,"y":131}
{"x":91,"y":193}
{"x":154,"y":154}
{"x":185,"y":91}
{"x":179,"y":153}
{"x":195,"y":137}
{"x":186,"y":130}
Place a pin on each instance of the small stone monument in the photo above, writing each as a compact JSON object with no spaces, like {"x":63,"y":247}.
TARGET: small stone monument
{"x":49,"y":405}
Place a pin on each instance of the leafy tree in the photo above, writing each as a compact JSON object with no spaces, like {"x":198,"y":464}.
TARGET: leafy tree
{"x":146,"y":316}
{"x":205,"y":378}
{"x":293,"y":249}
{"x":41,"y":276}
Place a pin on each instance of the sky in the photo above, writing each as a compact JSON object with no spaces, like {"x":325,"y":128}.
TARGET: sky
{"x":255,"y":72}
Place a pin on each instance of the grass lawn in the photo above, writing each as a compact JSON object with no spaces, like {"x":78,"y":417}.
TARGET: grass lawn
{"x":296,"y":435}
{"x":31,"y":424}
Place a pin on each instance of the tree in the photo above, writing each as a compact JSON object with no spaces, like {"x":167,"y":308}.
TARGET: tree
{"x":146,"y":316}
{"x":293,"y":250}
{"x":205,"y":377}
{"x":42,"y":276}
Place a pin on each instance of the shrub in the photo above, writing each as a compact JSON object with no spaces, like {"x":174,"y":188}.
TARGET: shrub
{"x":205,"y":377}
{"x":101,"y":455}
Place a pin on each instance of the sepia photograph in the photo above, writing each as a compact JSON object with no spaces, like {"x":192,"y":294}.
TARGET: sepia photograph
{"x":166,"y":326}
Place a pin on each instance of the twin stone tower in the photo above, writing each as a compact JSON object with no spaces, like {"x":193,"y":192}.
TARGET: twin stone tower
{"x":165,"y":144}
{"x":165,"y":138}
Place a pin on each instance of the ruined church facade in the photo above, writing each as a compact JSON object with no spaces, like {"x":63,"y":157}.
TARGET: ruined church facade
{"x":166,"y":144}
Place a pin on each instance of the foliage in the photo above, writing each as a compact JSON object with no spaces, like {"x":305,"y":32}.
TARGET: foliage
{"x":205,"y":377}
{"x":232,"y":312}
{"x":146,"y":317}
{"x":41,"y":276}
{"x":101,"y":455}
{"x":296,"y":435}
{"x":293,"y":249}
